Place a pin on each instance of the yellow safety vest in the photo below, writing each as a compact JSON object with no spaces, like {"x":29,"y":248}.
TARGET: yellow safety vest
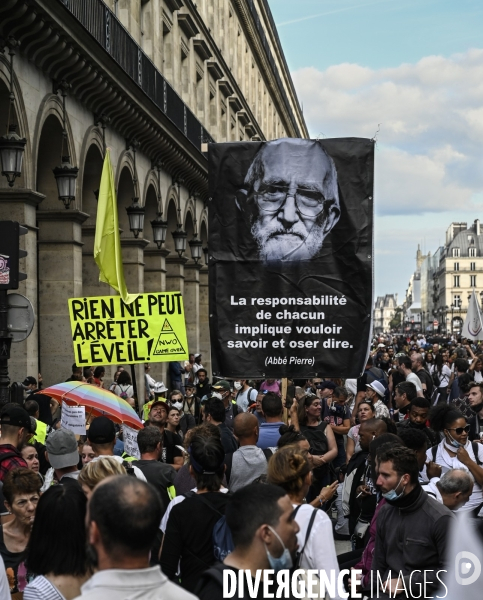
{"x":40,"y":432}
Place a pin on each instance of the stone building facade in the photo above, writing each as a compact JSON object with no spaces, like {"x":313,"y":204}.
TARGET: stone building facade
{"x":153,"y":80}
{"x":384,"y":311}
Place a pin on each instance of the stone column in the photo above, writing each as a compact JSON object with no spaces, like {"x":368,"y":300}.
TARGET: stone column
{"x":133,"y":262}
{"x":60,"y":278}
{"x":155,"y":281}
{"x":204,"y":321}
{"x":191,"y":299}
{"x":175,"y":266}
{"x":21,"y":205}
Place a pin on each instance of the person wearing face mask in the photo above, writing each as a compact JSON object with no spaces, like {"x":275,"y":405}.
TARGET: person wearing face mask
{"x":456,"y":451}
{"x":417,"y":419}
{"x":475,"y":400}
{"x":191,"y":403}
{"x":413,"y":516}
{"x":245,"y":395}
{"x":266,"y":540}
{"x":231,"y":407}
{"x":186,"y":421}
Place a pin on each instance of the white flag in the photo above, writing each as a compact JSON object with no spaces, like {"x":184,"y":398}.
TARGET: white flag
{"x":464,"y":555}
{"x":473,"y":327}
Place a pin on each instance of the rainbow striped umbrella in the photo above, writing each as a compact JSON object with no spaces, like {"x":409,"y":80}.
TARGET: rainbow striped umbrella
{"x":97,"y":400}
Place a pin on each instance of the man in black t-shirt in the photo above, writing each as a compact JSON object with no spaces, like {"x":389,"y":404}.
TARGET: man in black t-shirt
{"x":158,"y":474}
{"x":171,"y":453}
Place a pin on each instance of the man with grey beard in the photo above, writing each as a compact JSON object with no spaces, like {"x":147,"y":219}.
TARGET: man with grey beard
{"x":290,"y":199}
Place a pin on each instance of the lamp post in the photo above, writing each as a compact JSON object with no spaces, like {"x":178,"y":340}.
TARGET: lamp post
{"x":12,"y":146}
{"x":159,"y":225}
{"x":196,"y":245}
{"x":66,"y":174}
{"x":180,"y":235}
{"x":135,"y":212}
{"x":11,"y":154}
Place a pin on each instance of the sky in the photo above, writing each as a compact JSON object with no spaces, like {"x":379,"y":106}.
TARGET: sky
{"x":409,"y":72}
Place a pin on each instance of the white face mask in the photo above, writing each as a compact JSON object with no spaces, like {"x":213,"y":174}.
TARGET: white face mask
{"x":237,"y":385}
{"x":178,"y":405}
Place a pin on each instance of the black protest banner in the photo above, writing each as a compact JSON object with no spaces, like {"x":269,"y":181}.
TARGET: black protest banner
{"x":291,"y":257}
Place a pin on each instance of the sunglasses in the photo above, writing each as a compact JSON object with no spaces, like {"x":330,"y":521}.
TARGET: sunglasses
{"x":459,"y":430}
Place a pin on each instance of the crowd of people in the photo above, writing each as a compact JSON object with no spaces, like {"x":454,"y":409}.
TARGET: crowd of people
{"x":246,"y":475}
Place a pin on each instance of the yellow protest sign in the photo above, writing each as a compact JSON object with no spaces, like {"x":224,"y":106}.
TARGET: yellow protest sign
{"x":106,"y":331}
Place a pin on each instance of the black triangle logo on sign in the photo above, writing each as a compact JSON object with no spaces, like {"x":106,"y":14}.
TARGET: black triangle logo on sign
{"x":168,"y":342}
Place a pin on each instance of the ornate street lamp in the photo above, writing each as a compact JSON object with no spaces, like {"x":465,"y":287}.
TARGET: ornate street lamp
{"x":180,"y":235}
{"x":66,"y":174}
{"x":159,"y":225}
{"x":206,"y":252}
{"x":196,"y":246}
{"x":12,"y":146}
{"x":135,"y":212}
{"x":160,"y":228}
{"x":135,"y":215}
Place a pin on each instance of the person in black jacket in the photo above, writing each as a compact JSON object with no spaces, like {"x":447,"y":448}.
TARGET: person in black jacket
{"x":412,"y":531}
{"x":214,"y":412}
{"x":188,"y":540}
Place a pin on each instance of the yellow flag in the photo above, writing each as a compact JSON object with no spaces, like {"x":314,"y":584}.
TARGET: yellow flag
{"x":107,"y":243}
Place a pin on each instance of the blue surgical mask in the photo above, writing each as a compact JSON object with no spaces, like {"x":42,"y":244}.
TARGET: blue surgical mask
{"x":282,"y":562}
{"x":392,"y":494}
{"x":454,"y":443}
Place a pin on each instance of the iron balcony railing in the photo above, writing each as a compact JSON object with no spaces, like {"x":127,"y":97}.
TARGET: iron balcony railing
{"x":106,"y":28}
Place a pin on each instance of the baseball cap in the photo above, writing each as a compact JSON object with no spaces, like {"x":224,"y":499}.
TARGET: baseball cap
{"x":29,"y":381}
{"x":326,"y":385}
{"x":377,"y":387}
{"x":190,"y":385}
{"x":62,"y":448}
{"x":101,"y":431}
{"x":197,"y":355}
{"x":15,"y":415}
{"x":223,"y":384}
{"x":381,"y":345}
{"x":163,"y":402}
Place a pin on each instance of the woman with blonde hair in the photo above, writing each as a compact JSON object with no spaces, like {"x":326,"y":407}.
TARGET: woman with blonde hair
{"x":97,"y":470}
{"x":290,"y":469}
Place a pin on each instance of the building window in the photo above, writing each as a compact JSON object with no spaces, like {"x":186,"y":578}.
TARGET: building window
{"x":456,"y":281}
{"x":472,"y":266}
{"x":457,"y":266}
{"x":456,"y":252}
{"x":472,"y":252}
{"x":472,"y":280}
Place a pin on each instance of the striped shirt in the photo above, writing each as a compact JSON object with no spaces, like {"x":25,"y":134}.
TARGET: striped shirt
{"x":41,"y":589}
